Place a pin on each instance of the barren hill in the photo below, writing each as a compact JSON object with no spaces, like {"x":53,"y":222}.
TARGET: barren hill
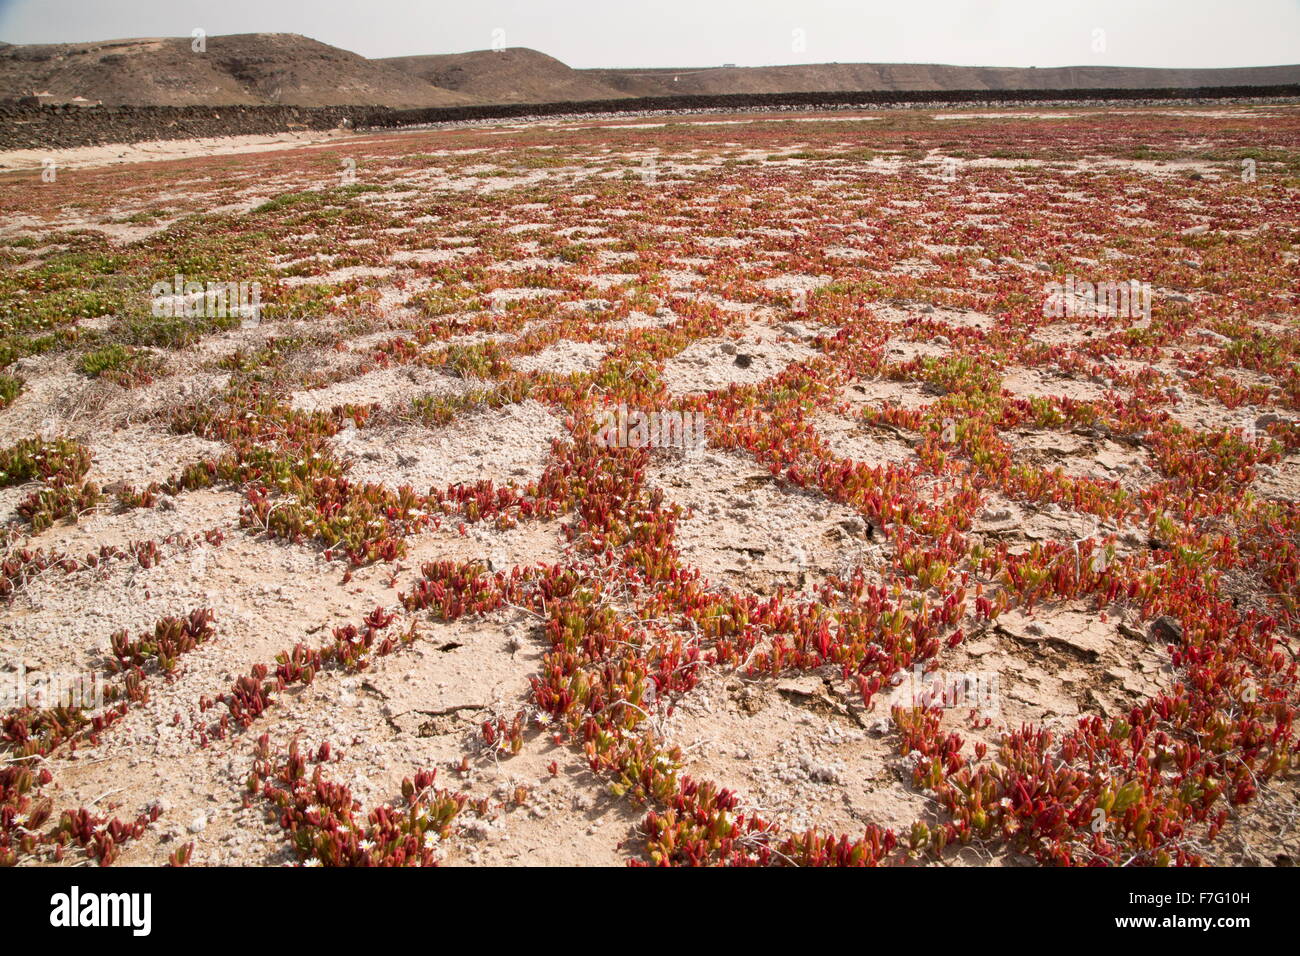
{"x":513,"y":75}
{"x":848,"y":77}
{"x":239,"y":69}
{"x":292,"y":70}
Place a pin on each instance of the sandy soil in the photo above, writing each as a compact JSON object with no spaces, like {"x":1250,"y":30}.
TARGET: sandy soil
{"x":875,"y":388}
{"x":113,"y":154}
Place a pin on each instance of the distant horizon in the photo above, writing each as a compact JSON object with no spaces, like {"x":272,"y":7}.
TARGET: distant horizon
{"x":704,"y":34}
{"x":696,"y":67}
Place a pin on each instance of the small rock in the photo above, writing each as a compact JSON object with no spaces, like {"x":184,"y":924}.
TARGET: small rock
{"x":1270,"y":418}
{"x":801,"y":687}
{"x":1166,"y":630}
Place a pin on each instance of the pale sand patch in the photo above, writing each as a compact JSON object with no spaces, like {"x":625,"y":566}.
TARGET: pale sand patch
{"x":1035,"y":383}
{"x":710,"y":364}
{"x":1080,"y":456}
{"x":339,"y":275}
{"x":508,"y":444}
{"x":142,"y":454}
{"x":190,"y":513}
{"x":59,"y":403}
{"x":787,"y":752}
{"x":853,"y":440}
{"x":1280,"y":481}
{"x":876,"y":393}
{"x":391,"y":387}
{"x":563,"y":358}
{"x":112,"y":154}
{"x":1053,"y":665}
{"x":747,"y":530}
{"x":1020,"y":524}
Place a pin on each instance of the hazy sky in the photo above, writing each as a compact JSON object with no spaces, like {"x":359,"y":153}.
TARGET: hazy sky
{"x":583,"y":33}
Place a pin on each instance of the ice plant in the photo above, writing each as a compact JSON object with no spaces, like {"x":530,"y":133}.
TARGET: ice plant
{"x":901,"y":312}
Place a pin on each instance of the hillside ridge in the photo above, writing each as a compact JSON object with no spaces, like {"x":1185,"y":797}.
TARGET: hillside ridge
{"x":285,"y":69}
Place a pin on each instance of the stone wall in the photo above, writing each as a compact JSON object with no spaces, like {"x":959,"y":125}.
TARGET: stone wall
{"x":62,"y":127}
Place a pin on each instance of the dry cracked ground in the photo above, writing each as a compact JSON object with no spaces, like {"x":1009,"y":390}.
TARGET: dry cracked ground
{"x":927,"y":465}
